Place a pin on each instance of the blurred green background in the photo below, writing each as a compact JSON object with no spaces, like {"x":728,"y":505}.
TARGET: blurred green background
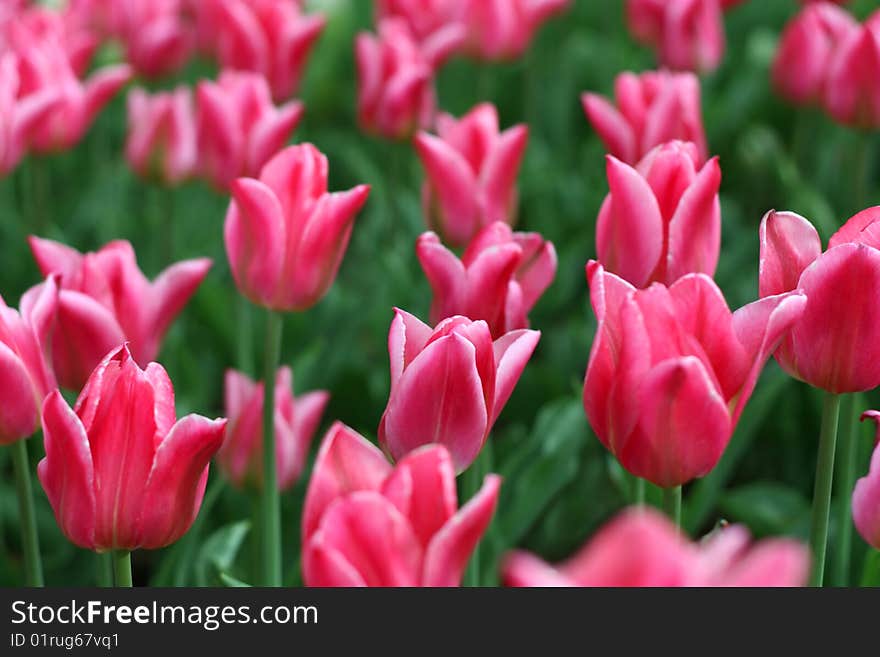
{"x":560,"y":484}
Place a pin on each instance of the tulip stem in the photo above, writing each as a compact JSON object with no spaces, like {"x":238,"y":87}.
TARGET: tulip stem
{"x":822,"y":487}
{"x":122,"y":568}
{"x":104,"y":568}
{"x":471,"y":480}
{"x":271,"y":520}
{"x":639,"y":496}
{"x":33,"y":567}
{"x":847,"y":451}
{"x":672,"y":504}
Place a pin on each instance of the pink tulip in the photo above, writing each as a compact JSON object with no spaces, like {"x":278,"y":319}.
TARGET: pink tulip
{"x":285,"y":234}
{"x":269,"y":37}
{"x":852,"y":95}
{"x":806,"y":49}
{"x":866,"y":495}
{"x":686,"y":34}
{"x":449,"y":384}
{"x":368,"y":524}
{"x":106,"y":300}
{"x":471,"y":172}
{"x":423,"y":17}
{"x":836,"y":344}
{"x":239,"y":129}
{"x":652,"y":108}
{"x":162,"y":135}
{"x":155,"y":34}
{"x":26,"y":375}
{"x":395,"y":77}
{"x":672,"y":368}
{"x":499,"y":279}
{"x":121,"y":472}
{"x":662,"y":219}
{"x":296,"y":419}
{"x":642,"y":548}
{"x":503,"y":29}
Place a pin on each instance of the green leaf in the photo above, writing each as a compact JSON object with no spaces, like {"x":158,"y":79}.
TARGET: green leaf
{"x":219,"y":551}
{"x":767,"y":508}
{"x":229,"y":580}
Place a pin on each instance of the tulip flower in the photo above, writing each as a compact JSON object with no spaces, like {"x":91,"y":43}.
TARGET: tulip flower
{"x":866,"y":495}
{"x":296,"y":419}
{"x":121,"y":472}
{"x":449,"y":384}
{"x":806,"y":48}
{"x":423,"y":17}
{"x":366,"y":523}
{"x":155,"y":34}
{"x":395,"y":77}
{"x":499,"y":279}
{"x":852,"y":95}
{"x":503,"y":29}
{"x":471,"y":171}
{"x":641,"y":548}
{"x":672,"y":368}
{"x":106,"y":300}
{"x":162,"y":135}
{"x":238,"y":127}
{"x":662,"y":219}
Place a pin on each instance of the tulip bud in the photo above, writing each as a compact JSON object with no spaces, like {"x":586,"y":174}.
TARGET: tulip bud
{"x":368,"y":524}
{"x":500,"y":278}
{"x":672,"y":368}
{"x":852,"y":95}
{"x":503,"y":29}
{"x":866,"y":495}
{"x":121,"y":472}
{"x":661,"y":220}
{"x":285,"y":234}
{"x":161,"y":135}
{"x":296,"y":419}
{"x":449,"y":384}
{"x":471,"y":172}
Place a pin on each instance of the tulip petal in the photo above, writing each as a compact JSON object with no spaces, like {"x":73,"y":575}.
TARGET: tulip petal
{"x":866,"y":503}
{"x":19,"y":410}
{"x":499,"y":173}
{"x":695,"y":228}
{"x":54,"y":257}
{"x":861,"y":228}
{"x":406,"y":339}
{"x":521,"y":569}
{"x":512,"y":353}
{"x":789,"y":244}
{"x":611,"y":126}
{"x":171,"y":291}
{"x":446,"y":275}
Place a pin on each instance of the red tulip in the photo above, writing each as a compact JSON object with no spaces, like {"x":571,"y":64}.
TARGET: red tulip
{"x":26,"y":375}
{"x":805,"y":51}
{"x":121,"y":472}
{"x":500,"y":278}
{"x":239,"y":129}
{"x":641,"y":548}
{"x":285,"y":234}
{"x":105,"y":300}
{"x":652,"y":108}
{"x":672,"y":368}
{"x":162,"y":135}
{"x":661,"y":220}
{"x":852,"y":95}
{"x":296,"y":419}
{"x":449,"y":384}
{"x":471,"y":168}
{"x":866,"y":495}
{"x":368,"y":524}
{"x":503,"y":29}
{"x":835,"y":345}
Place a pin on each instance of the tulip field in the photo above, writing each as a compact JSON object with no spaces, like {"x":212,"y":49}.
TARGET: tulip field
{"x":549,"y":293}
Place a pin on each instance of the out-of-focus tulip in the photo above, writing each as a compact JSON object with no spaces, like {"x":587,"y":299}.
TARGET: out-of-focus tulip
{"x":835,"y":345}
{"x":503,"y":29}
{"x":662,"y":219}
{"x":806,"y":49}
{"x":423,"y":17}
{"x":285,"y":234}
{"x":449,"y":384}
{"x":26,"y":375}
{"x":471,"y":169}
{"x":121,"y":472}
{"x":106,"y":300}
{"x":162,"y":135}
{"x":672,"y":368}
{"x":499,"y":279}
{"x":238,"y":127}
{"x":296,"y":420}
{"x":269,"y":37}
{"x":155,"y":34}
{"x":368,"y":524}
{"x":652,"y":108}
{"x":686,"y":34}
{"x":852,"y":95}
{"x":642,"y":548}
{"x":866,"y":494}
{"x":395,"y":77}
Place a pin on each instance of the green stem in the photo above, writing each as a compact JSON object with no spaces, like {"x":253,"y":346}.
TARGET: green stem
{"x":822,"y":488}
{"x":639,"y":485}
{"x":271,"y":524}
{"x":472,"y":479}
{"x":847,"y":464}
{"x":672,"y":504}
{"x":862,"y":170}
{"x":122,"y":568}
{"x":245,"y":338}
{"x":33,"y":567}
{"x":104,"y":568}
